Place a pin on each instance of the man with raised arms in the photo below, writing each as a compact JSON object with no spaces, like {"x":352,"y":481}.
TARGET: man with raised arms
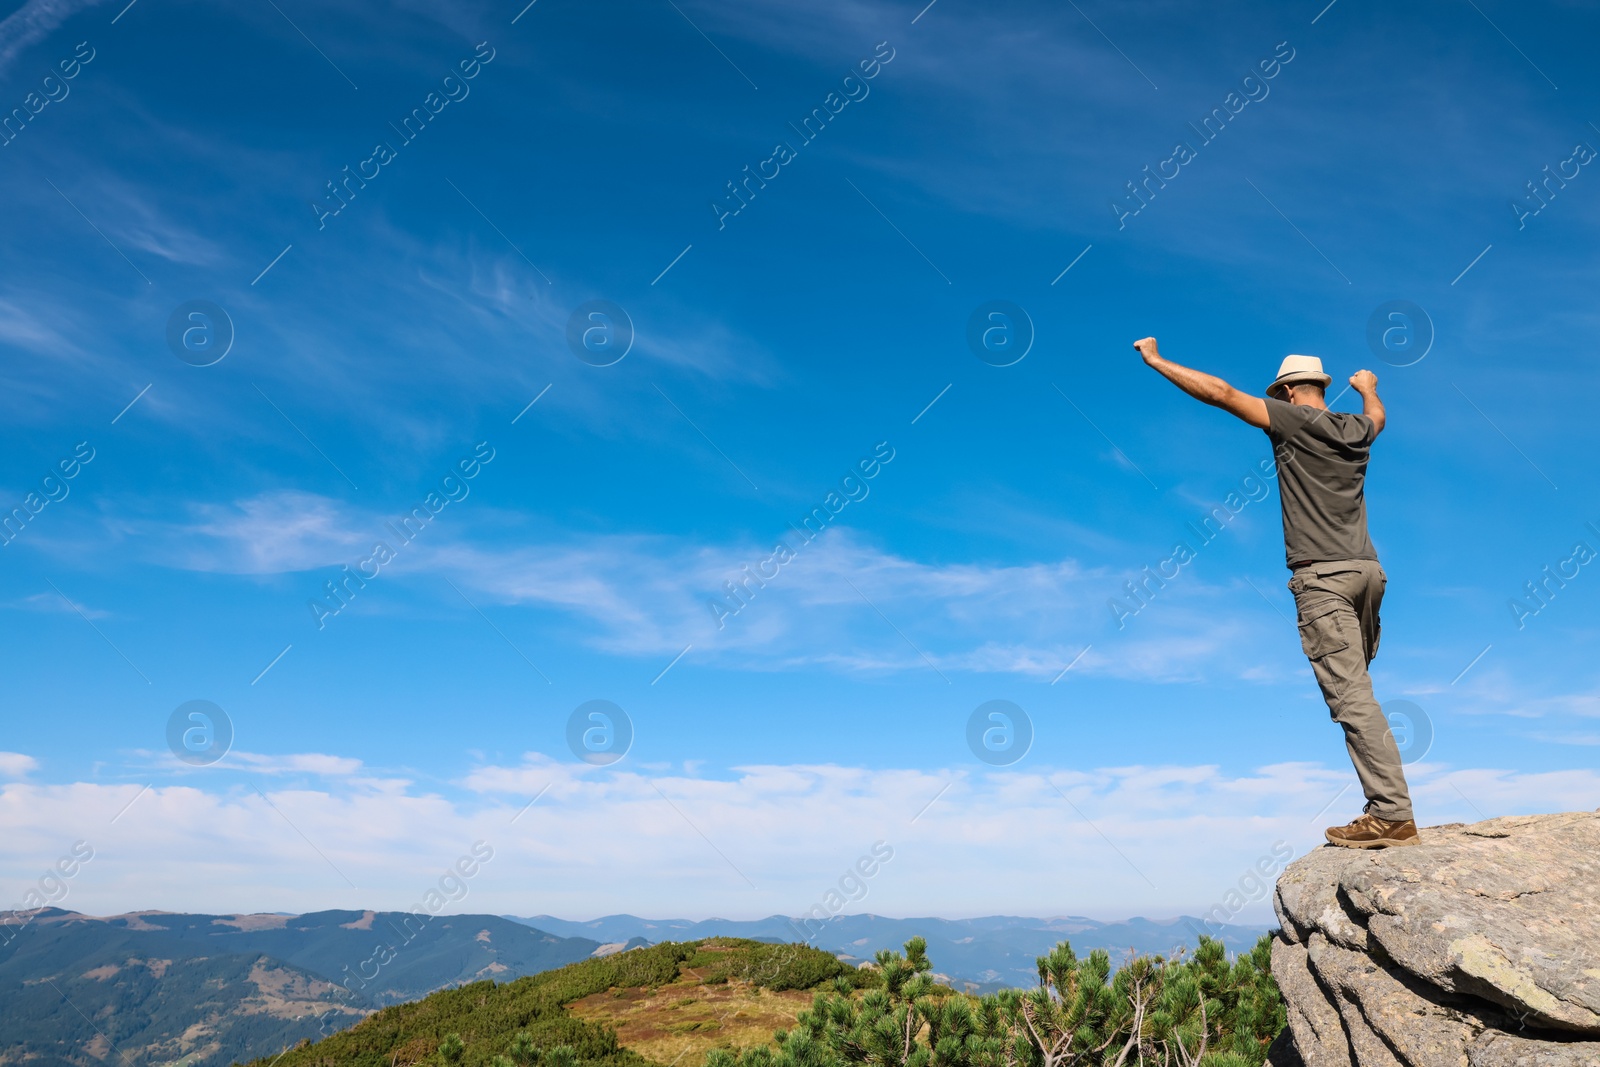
{"x":1334,"y":572}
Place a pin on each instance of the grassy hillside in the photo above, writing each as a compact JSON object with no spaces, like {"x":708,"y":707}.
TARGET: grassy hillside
{"x":488,"y":1017}
{"x":730,"y":994}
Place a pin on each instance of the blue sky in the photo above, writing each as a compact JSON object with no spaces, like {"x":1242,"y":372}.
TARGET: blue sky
{"x":774,"y":350}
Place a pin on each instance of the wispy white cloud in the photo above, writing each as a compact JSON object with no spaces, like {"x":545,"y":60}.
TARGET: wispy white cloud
{"x":1567,"y":738}
{"x":845,"y":603}
{"x":273,"y":533}
{"x":32,"y":22}
{"x":312,"y":763}
{"x":52,"y":603}
{"x":1505,"y":688}
{"x":22,"y":326}
{"x":143,"y":226}
{"x":842,"y":602}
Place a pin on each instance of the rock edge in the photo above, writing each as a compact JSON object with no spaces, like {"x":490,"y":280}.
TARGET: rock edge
{"x":1480,"y":947}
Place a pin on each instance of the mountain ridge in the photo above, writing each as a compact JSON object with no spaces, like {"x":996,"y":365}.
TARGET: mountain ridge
{"x":156,"y":987}
{"x":984,"y":953}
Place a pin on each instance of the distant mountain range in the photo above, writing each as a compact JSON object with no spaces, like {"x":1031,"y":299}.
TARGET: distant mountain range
{"x":150,"y":989}
{"x":984,"y":954}
{"x":154,"y":988}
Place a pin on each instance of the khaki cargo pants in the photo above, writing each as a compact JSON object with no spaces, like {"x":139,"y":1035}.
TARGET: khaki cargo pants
{"x":1338,"y":607}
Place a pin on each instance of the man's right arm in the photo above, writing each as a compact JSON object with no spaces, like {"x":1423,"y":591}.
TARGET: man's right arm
{"x":1207,"y":388}
{"x":1366,"y":383}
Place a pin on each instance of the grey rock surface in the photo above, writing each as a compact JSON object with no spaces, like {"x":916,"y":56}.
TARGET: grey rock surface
{"x":1508,"y":1050}
{"x":1308,"y":899}
{"x":1478,"y":948}
{"x":1383,"y":1006}
{"x":1313,"y":1019}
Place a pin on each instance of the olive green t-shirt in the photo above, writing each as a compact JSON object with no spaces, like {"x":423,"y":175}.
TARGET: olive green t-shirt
{"x":1322,"y":470}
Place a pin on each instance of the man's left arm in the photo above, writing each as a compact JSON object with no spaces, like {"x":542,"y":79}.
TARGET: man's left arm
{"x":1206,"y":387}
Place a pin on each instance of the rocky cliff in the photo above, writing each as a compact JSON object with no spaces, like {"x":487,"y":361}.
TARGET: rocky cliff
{"x":1480,"y":947}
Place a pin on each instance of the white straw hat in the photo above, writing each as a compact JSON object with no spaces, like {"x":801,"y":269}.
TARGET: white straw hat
{"x":1295,"y":369}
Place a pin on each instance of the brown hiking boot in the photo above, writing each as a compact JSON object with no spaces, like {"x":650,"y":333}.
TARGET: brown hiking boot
{"x":1369,"y":831}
